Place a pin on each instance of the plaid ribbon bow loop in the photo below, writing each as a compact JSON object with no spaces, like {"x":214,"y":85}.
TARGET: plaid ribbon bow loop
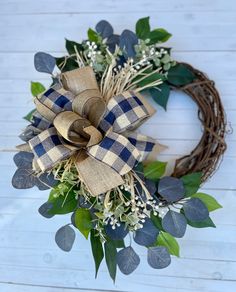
{"x":76,"y":120}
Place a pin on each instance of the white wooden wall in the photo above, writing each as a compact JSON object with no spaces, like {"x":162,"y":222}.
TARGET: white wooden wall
{"x":204,"y":34}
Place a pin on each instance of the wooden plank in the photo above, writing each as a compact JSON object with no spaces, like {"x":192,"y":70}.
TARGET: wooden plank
{"x":197,"y":247}
{"x":195,"y":31}
{"x":56,"y":260}
{"x":79,"y":7}
{"x":137,"y":284}
{"x":20,"y":287}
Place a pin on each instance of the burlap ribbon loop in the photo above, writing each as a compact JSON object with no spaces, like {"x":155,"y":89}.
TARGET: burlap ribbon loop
{"x":73,"y":119}
{"x":88,"y":101}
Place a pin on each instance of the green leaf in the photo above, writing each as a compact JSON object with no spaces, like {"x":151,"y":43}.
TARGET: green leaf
{"x":150,"y":79}
{"x":97,"y":250}
{"x":83,"y":221}
{"x":159,"y":35}
{"x":93,"y":36}
{"x":203,"y":224}
{"x":167,"y":240}
{"x":110,"y":255}
{"x":28,"y":117}
{"x":180,"y":75}
{"x":63,"y":201}
{"x":71,"y":45}
{"x":60,"y":61}
{"x":139,"y":168}
{"x":208,"y":200}
{"x":156,"y":221}
{"x":143,"y":28}
{"x":71,"y":64}
{"x":119,"y":243}
{"x":161,"y":94}
{"x":191,"y":183}
{"x":154,"y":170}
{"x":37,"y":88}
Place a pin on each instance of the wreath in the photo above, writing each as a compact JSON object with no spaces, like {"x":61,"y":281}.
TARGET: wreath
{"x":82,"y":143}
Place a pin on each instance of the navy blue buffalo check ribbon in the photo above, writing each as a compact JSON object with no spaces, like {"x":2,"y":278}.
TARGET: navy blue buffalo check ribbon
{"x":116,"y":144}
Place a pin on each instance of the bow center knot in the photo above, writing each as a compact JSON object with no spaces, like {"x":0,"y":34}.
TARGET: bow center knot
{"x":76,"y":129}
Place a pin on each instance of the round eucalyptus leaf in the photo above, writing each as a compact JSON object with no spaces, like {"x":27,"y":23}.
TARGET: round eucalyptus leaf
{"x":83,"y":203}
{"x":171,"y":188}
{"x":112,"y":42}
{"x":127,"y":260}
{"x":158,"y":257}
{"x":118,"y":233}
{"x":65,"y":238}
{"x":45,"y":181}
{"x":27,"y":134}
{"x":104,"y":28}
{"x":73,"y":219}
{"x":23,"y":179}
{"x":128,"y":40}
{"x":44,"y":62}
{"x":195,"y":210}
{"x":43,"y":210}
{"x":174,"y":223}
{"x":55,"y":80}
{"x":146,"y":235}
{"x":23,"y":159}
{"x":151,"y":186}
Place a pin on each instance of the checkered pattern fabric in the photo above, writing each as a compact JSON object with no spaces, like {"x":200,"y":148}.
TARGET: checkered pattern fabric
{"x":116,"y":151}
{"x":48,"y":149}
{"x":143,"y":143}
{"x":40,"y":122}
{"x":57,"y":99}
{"x":124,"y":112}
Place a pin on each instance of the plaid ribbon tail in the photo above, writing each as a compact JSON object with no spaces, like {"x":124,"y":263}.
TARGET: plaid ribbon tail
{"x":49,"y":149}
{"x":117,"y":152}
{"x":146,"y":145}
{"x":143,"y":143}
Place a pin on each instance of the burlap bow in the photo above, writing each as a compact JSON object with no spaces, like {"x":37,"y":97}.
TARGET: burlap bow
{"x":74,"y":119}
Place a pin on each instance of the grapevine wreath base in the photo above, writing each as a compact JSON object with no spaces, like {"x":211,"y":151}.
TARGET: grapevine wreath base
{"x":83,"y":144}
{"x":208,"y":153}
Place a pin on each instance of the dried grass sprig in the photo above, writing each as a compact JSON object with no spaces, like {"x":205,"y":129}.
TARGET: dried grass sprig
{"x":115,"y":81}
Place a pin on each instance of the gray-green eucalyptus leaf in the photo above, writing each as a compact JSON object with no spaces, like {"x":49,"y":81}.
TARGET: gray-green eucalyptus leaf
{"x":127,"y":260}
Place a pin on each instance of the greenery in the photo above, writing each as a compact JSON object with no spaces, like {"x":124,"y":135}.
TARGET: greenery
{"x":167,"y":240}
{"x":180,"y":75}
{"x":143,"y":31}
{"x":97,"y":250}
{"x":63,"y":199}
{"x":37,"y":88}
{"x":191,"y":183}
{"x":110,"y":256}
{"x":154,"y":170}
{"x":83,"y":221}
{"x":208,"y":200}
{"x":161,"y":94}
